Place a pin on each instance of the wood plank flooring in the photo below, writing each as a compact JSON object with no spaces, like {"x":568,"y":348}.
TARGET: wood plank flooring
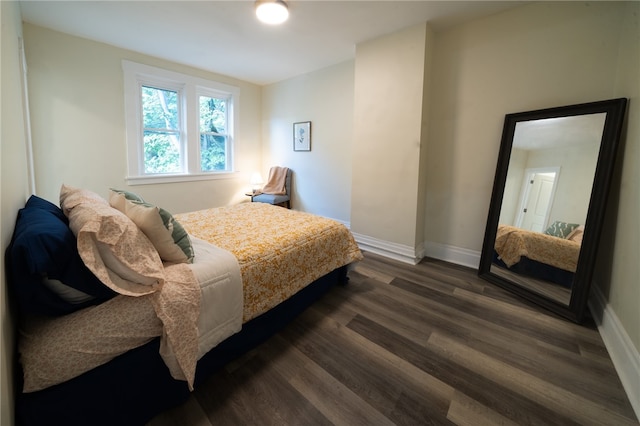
{"x":430,"y":344}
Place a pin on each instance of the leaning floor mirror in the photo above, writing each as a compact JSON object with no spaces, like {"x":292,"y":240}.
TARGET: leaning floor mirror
{"x":548,"y":202}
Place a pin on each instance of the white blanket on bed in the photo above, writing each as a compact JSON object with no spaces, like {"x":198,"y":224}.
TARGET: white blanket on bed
{"x":218,"y":273}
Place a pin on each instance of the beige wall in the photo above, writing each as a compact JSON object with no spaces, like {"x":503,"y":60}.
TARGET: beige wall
{"x":388,"y":132}
{"x":617,"y":273}
{"x":322,"y":177}
{"x":77,"y":107}
{"x":536,"y":56}
{"x":14,"y":186}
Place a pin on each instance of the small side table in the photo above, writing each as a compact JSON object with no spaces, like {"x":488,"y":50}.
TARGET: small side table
{"x":252,"y":194}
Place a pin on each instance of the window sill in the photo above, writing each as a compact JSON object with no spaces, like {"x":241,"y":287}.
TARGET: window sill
{"x":152,"y":180}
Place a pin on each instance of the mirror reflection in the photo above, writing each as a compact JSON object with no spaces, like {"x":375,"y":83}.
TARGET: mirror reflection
{"x":547,"y":209}
{"x":545,"y":202}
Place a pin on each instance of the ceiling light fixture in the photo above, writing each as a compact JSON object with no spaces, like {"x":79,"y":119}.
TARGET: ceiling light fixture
{"x":272,"y":12}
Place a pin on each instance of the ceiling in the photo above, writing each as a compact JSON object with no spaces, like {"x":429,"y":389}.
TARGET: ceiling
{"x":226,"y":38}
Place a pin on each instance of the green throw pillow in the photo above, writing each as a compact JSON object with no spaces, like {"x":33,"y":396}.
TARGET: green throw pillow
{"x":168,"y":236}
{"x":128,"y":195}
{"x":561,"y":229}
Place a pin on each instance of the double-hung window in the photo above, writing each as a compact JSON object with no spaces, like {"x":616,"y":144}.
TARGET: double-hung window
{"x":213,"y":134}
{"x":162,"y":141}
{"x":178,"y":127}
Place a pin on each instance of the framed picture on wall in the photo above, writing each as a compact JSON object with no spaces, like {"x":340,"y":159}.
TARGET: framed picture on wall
{"x":302,"y":136}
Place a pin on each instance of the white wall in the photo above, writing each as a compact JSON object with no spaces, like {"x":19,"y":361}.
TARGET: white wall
{"x":13,"y":189}
{"x":321,"y":177}
{"x":77,"y":107}
{"x":367,"y":134}
{"x":388,"y":137}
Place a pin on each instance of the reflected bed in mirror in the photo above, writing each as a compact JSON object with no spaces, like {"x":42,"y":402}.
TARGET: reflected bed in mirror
{"x":548,"y":201}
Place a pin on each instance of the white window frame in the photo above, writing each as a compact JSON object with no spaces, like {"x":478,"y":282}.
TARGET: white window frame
{"x":189,"y":90}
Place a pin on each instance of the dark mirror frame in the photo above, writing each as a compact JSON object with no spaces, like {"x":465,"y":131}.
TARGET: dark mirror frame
{"x":615,"y":112}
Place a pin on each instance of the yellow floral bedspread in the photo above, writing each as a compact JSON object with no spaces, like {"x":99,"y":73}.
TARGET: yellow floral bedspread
{"x":512,"y":243}
{"x":280,"y":251}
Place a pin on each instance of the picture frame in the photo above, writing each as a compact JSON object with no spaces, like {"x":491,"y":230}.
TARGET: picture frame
{"x":302,"y":136}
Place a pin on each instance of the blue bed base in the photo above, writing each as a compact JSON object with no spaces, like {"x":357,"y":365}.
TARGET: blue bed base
{"x":136,"y":386}
{"x":538,"y":270}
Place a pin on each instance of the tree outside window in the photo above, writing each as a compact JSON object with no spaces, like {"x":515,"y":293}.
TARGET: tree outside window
{"x":161,"y":127}
{"x":213,"y":134}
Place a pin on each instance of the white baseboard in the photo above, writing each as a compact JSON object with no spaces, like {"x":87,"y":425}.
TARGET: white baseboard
{"x":623,"y":353}
{"x":400,"y":252}
{"x":407,"y":254}
{"x":452,"y":254}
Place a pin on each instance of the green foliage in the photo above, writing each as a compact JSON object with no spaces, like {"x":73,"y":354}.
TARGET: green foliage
{"x":161,"y":121}
{"x":160,"y":154}
{"x":213,"y":153}
{"x":213,"y":115}
{"x":160,"y":108}
{"x":213,"y":142}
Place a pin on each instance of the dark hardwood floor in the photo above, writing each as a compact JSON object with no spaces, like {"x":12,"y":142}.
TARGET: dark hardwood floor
{"x":430,"y":344}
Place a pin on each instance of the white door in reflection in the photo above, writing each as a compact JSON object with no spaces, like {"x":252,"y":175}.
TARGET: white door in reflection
{"x":536,"y":200}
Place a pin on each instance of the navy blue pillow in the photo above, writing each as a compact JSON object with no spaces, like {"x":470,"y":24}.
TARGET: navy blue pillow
{"x":35,"y":202}
{"x":43,"y":245}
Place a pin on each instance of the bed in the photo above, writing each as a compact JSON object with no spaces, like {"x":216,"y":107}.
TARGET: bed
{"x":142,"y":319}
{"x":538,"y":255}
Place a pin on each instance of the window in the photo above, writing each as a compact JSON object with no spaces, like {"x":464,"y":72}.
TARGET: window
{"x":161,"y":131}
{"x":214,"y":146}
{"x":178,"y":127}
